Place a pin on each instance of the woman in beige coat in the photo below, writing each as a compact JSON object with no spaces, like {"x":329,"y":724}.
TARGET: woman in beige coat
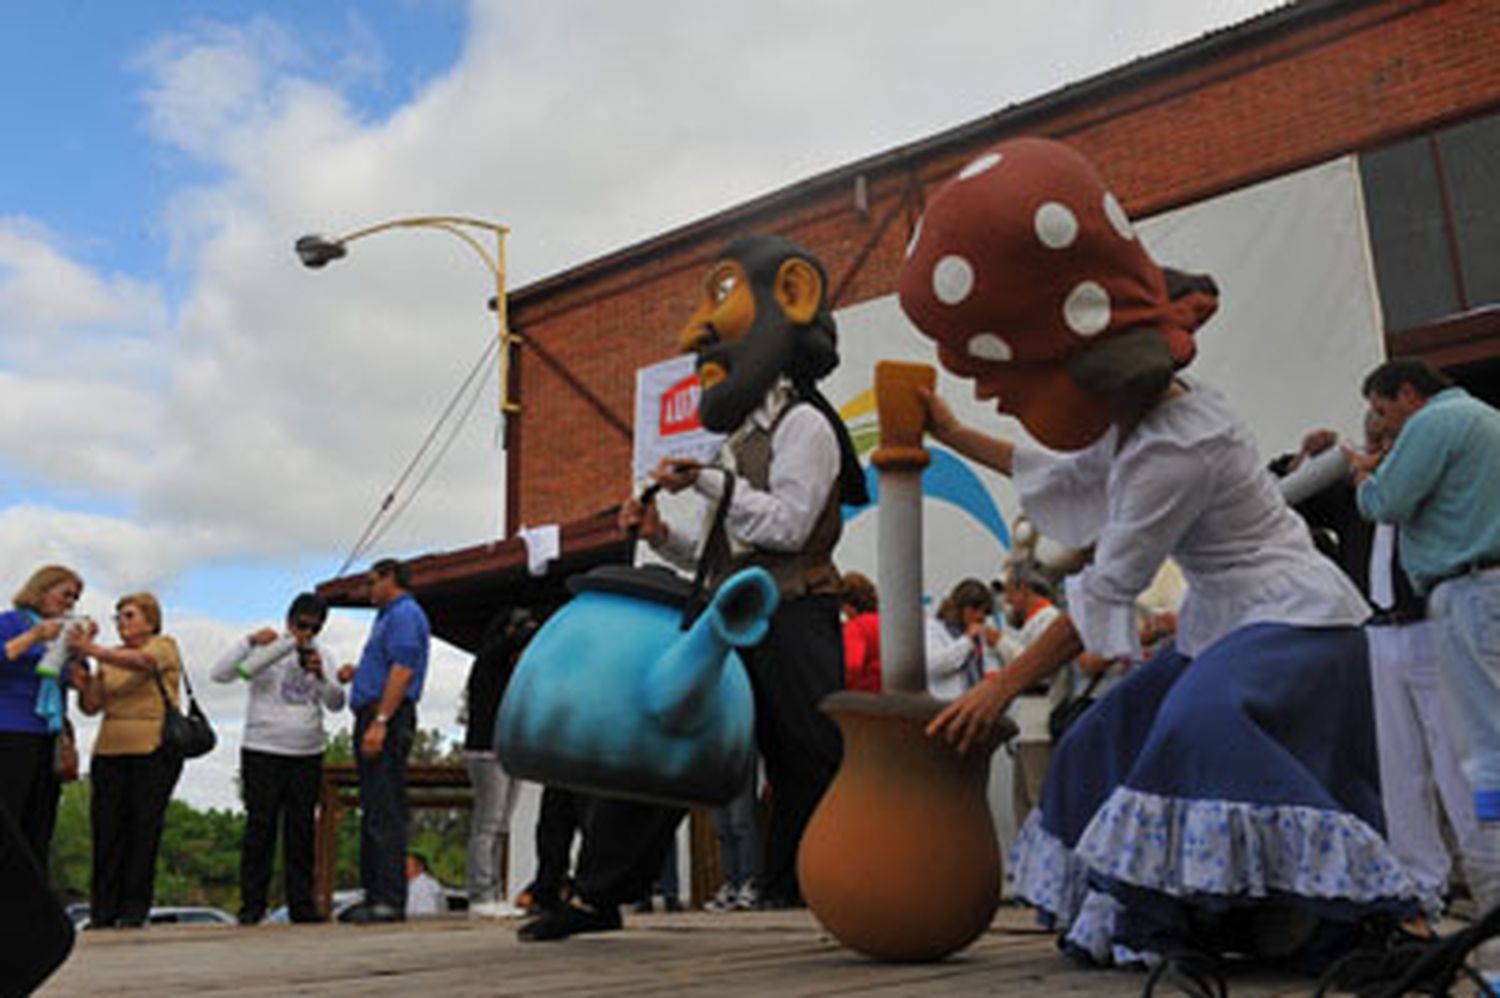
{"x":131,"y":775}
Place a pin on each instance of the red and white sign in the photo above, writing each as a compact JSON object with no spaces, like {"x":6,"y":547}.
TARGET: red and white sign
{"x":679,"y":408}
{"x":666,"y":416}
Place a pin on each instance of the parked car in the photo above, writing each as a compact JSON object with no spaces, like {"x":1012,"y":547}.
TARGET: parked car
{"x":457,"y":901}
{"x":162,"y":915}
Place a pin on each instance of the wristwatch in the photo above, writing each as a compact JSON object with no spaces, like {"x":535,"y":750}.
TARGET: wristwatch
{"x":382,"y":719}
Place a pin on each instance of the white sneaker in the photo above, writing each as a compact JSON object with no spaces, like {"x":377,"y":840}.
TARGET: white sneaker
{"x":494,"y":909}
{"x":722,"y":901}
{"x":747,"y":898}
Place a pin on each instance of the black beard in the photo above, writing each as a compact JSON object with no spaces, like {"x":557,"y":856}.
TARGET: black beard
{"x":751,"y":366}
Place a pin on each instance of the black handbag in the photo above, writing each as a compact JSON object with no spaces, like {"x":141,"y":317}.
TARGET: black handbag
{"x":1070,"y":710}
{"x":187,"y":735}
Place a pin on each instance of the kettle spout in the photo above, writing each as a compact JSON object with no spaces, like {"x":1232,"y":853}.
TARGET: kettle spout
{"x":682,"y":686}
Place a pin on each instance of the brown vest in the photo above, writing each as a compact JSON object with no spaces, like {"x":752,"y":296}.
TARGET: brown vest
{"x":809,"y":571}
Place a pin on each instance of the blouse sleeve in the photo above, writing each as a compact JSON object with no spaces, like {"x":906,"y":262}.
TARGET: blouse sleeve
{"x":1155,"y":495}
{"x":1064,"y":494}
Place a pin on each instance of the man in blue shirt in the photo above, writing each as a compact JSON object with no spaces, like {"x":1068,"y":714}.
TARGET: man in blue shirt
{"x":1440,"y":484}
{"x":387,"y":686}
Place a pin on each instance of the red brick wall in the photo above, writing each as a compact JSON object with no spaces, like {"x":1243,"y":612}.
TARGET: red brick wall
{"x":1224,"y":112}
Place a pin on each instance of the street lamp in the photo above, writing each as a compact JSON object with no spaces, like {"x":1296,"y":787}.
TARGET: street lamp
{"x":317,"y":251}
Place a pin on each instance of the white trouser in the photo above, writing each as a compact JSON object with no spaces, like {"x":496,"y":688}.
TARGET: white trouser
{"x":1419,"y":766}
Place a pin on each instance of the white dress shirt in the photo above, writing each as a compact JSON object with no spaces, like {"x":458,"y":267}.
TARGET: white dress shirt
{"x":804,"y":471}
{"x":1187,"y":483}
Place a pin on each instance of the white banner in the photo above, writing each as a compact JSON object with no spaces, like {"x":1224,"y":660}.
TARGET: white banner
{"x":666,"y":416}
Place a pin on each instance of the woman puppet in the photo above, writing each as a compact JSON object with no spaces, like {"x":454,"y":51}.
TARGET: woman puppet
{"x":1225,"y":796}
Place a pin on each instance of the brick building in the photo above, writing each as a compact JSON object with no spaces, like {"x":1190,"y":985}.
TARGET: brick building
{"x":1405,"y":94}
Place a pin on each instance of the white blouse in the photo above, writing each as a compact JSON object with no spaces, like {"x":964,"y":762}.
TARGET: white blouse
{"x":1188,"y":483}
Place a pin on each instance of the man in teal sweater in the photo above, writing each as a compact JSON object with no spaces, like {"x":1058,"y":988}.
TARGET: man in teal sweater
{"x":1440,"y":483}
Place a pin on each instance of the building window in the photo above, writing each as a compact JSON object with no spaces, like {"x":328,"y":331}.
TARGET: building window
{"x":1434,"y":217}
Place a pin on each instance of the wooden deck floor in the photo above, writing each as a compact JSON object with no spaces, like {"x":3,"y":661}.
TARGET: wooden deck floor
{"x":759,"y":953}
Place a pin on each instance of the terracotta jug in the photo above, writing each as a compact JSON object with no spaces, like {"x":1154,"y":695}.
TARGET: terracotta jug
{"x":900,"y":860}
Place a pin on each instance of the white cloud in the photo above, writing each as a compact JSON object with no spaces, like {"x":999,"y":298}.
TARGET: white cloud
{"x":260,"y":410}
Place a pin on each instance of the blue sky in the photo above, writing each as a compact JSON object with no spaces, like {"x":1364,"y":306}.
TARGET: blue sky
{"x":183,"y":408}
{"x":72,"y":78}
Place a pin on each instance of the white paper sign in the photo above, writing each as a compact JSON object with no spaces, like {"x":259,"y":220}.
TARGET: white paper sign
{"x":666,"y":416}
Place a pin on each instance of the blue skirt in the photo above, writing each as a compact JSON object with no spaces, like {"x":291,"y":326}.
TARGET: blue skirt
{"x":1199,"y":791}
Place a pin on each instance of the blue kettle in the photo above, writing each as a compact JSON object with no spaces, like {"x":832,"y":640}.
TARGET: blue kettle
{"x":619,"y":695}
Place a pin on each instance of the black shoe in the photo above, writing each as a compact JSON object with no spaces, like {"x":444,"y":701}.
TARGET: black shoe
{"x":308,"y":917}
{"x":131,"y":922}
{"x":371,"y":914}
{"x":779,"y":902}
{"x":643,"y":906}
{"x":568,"y":920}
{"x":672,"y":903}
{"x":252,"y":916}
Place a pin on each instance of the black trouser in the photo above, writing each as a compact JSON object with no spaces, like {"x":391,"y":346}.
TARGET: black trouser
{"x":560,"y":817}
{"x":29,"y":788}
{"x":285,"y":787}
{"x":800,"y":661}
{"x":382,"y":808}
{"x":128,"y":807}
{"x":37,"y":934}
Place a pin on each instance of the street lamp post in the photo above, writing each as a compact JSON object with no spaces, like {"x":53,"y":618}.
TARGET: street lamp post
{"x":317,"y":251}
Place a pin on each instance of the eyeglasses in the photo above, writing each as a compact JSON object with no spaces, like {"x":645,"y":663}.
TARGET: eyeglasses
{"x":126,"y":614}
{"x":311,"y":626}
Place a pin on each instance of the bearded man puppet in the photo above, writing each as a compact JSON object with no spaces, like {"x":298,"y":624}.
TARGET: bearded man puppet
{"x":764,"y":336}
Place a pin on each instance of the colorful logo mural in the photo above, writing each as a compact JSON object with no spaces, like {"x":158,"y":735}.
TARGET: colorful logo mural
{"x":948,"y":479}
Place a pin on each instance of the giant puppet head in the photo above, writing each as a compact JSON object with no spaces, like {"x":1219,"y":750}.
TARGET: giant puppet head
{"x":1030,"y":277}
{"x":764,"y":313}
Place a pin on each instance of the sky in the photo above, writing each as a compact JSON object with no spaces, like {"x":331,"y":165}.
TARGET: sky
{"x":185,"y":409}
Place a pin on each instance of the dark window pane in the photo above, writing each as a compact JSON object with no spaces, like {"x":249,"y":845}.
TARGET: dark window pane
{"x":1471,"y":164}
{"x":1405,"y":213}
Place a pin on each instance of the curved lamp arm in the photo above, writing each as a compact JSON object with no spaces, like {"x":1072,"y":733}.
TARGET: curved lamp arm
{"x":317,"y":251}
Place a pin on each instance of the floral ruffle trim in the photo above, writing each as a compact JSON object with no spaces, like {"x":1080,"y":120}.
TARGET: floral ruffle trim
{"x":1047,"y":874}
{"x":1197,"y":847}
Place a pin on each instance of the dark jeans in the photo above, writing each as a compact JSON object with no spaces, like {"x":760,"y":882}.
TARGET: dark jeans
{"x":382,"y":808}
{"x":128,"y":808}
{"x":276,"y":787}
{"x":29,"y":789}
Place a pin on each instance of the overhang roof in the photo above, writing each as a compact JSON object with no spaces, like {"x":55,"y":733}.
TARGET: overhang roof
{"x":462,"y":590}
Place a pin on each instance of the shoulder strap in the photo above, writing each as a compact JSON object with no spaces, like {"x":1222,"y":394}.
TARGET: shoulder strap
{"x":714,"y":541}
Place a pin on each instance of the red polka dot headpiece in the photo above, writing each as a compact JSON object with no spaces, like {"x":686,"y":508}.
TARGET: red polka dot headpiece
{"x":1026,"y":258}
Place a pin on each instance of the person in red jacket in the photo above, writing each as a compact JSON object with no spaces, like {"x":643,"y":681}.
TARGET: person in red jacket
{"x":860,"y":605}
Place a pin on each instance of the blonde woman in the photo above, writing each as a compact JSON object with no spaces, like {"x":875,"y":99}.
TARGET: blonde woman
{"x":31,"y":711}
{"x":131,"y":775}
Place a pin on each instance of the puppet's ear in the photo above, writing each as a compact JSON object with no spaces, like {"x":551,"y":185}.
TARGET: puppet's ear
{"x":799,"y":290}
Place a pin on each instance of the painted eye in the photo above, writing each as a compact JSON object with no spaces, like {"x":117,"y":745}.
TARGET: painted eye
{"x":723,"y":285}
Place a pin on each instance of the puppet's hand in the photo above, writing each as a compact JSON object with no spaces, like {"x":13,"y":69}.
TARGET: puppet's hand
{"x":972,"y":718}
{"x":940,"y":419}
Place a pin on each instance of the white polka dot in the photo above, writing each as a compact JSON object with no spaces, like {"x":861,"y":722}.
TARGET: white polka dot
{"x":1117,"y":217}
{"x":1055,"y":225}
{"x":952,"y":279}
{"x":985,"y":162}
{"x":1087,"y":309}
{"x":916,"y":234}
{"x":988,"y":346}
